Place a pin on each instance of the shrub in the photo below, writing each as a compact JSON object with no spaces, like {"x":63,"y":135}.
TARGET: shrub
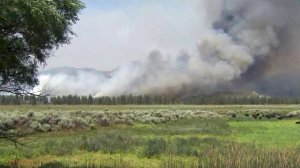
{"x":129,"y":121}
{"x":30,"y":114}
{"x":93,"y":126}
{"x":80,"y":122}
{"x":36,"y":126}
{"x":37,"y":121}
{"x":104,"y":122}
{"x":66,"y":123}
{"x":46,"y":128}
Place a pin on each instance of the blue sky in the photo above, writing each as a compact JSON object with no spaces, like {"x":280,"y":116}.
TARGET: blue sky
{"x":113,"y":32}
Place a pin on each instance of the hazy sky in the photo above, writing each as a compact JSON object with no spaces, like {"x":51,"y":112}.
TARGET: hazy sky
{"x":114,"y":32}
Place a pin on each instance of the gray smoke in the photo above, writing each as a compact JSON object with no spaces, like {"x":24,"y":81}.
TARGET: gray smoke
{"x":247,"y":45}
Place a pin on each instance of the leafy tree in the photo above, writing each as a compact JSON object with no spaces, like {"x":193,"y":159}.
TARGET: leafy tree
{"x":29,"y":31}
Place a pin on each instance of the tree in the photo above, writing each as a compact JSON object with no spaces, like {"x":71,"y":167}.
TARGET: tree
{"x":29,"y":31}
{"x":90,"y":100}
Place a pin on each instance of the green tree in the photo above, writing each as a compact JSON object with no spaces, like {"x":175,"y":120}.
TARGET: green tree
{"x":90,"y":100}
{"x":29,"y":31}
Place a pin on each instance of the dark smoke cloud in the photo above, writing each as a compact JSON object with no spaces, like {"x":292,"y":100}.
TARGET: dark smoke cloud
{"x":247,"y":45}
{"x":274,"y":73}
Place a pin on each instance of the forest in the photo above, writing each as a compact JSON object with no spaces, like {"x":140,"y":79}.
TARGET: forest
{"x":221,"y":99}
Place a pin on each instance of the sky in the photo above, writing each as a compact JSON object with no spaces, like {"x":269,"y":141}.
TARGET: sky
{"x":204,"y":45}
{"x":111,"y":33}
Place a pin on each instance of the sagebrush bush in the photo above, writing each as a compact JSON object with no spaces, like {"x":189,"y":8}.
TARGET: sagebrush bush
{"x":36,"y":126}
{"x":55,"y":120}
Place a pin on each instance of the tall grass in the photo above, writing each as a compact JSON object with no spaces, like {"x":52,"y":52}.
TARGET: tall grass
{"x":108,"y":143}
{"x":173,"y":161}
{"x":155,"y":147}
{"x":234,"y":155}
{"x":111,"y":163}
{"x":228,"y":155}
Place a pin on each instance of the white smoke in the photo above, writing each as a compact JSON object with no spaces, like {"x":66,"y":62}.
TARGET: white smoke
{"x":65,"y":81}
{"x":238,"y":33}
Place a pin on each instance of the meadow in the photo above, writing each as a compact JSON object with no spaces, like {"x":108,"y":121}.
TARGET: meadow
{"x":152,"y":136}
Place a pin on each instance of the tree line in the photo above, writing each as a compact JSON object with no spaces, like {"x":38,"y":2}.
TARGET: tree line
{"x":232,"y":100}
{"x":86,"y":100}
{"x":144,"y":100}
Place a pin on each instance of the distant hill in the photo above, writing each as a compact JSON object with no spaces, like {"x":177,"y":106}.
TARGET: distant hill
{"x":74,"y":71}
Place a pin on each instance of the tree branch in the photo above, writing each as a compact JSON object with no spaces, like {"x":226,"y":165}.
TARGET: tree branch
{"x":13,"y":138}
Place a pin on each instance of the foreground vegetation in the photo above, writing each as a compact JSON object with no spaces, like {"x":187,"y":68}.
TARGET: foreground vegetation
{"x":215,"y":136}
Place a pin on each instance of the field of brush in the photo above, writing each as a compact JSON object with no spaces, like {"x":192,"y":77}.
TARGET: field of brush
{"x":152,"y":136}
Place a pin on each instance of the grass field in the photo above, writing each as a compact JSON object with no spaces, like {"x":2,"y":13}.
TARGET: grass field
{"x":152,"y":136}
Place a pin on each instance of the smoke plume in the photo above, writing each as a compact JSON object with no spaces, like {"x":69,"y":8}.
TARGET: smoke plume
{"x":246,"y":45}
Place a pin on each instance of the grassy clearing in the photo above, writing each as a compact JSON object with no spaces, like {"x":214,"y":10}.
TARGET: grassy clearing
{"x":280,"y":134}
{"x":239,"y":141}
